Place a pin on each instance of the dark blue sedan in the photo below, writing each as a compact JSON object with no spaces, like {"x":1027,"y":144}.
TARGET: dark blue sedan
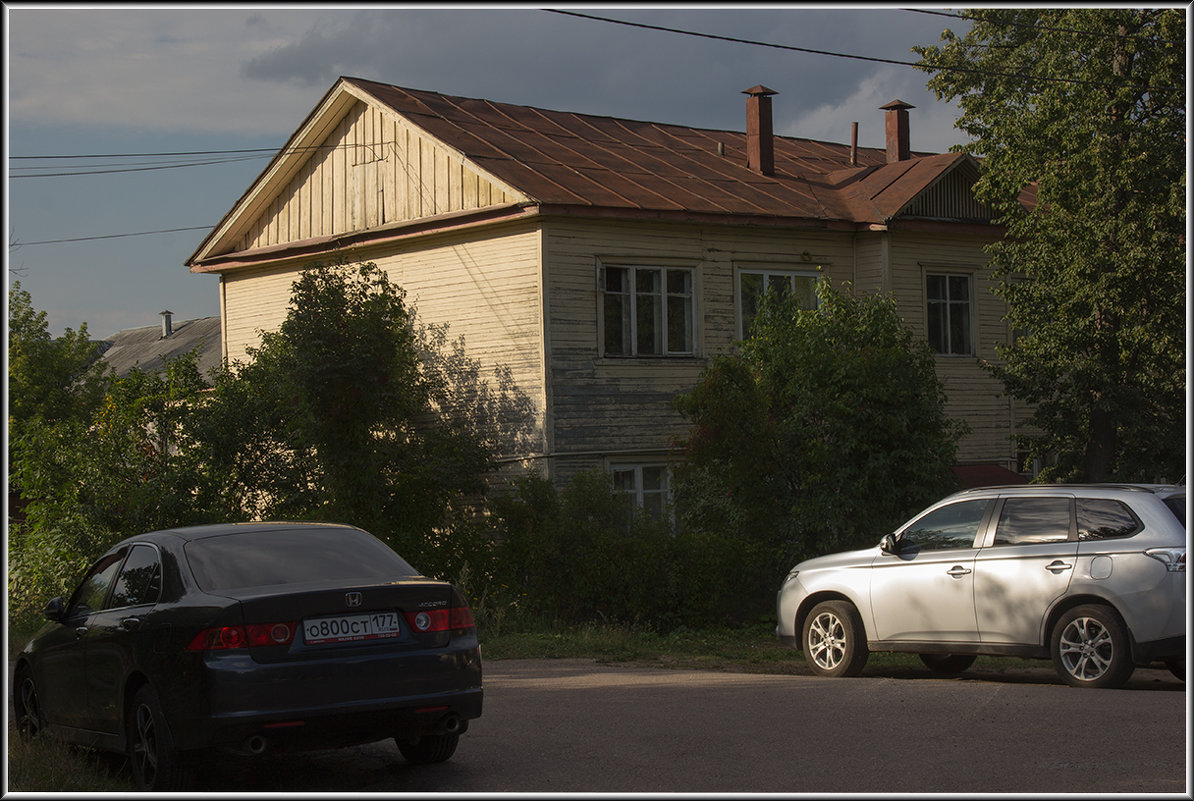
{"x":250,"y":637}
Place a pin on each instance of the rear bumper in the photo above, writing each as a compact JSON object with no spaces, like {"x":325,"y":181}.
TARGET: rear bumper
{"x":366,"y":696}
{"x":437,"y":713}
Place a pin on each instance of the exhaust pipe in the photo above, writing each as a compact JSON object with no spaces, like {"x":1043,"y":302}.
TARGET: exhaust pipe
{"x":255,"y":745}
{"x":451,"y":724}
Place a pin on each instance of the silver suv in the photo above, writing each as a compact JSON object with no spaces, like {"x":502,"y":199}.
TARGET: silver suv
{"x":1092,"y":576}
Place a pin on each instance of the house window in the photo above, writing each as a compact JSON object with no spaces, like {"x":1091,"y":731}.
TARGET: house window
{"x":949,"y":317}
{"x":644,"y":486}
{"x":648,"y":311}
{"x":753,"y":284}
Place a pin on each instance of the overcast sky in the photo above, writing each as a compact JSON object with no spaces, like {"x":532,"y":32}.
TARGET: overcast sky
{"x":97,"y":81}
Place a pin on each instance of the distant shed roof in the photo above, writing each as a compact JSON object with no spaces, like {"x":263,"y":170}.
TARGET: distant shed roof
{"x":147,"y":350}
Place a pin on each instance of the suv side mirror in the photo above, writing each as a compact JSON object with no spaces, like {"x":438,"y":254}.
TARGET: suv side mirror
{"x":889,"y":544}
{"x":54,"y":610}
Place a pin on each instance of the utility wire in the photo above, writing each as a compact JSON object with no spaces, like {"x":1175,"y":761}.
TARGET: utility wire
{"x":1020,"y":75}
{"x":17,"y":245}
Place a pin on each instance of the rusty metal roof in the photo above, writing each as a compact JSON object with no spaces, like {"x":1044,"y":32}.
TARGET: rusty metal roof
{"x":589,"y":161}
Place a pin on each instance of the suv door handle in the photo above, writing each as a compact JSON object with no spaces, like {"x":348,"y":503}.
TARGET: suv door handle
{"x":130,"y":623}
{"x":957,"y":571}
{"x":1056,"y":566}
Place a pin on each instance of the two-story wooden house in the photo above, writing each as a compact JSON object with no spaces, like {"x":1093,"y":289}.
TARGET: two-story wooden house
{"x":605,"y":260}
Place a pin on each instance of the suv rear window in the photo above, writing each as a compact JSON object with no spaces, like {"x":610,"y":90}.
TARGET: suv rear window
{"x":1177,"y":505}
{"x":1103,"y":519}
{"x":293,"y":556}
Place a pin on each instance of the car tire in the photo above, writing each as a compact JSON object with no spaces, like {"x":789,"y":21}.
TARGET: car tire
{"x":1090,"y":647}
{"x":833,"y":640}
{"x":429,"y":748}
{"x":27,"y":705}
{"x":157,"y":765}
{"x":947,"y":664}
{"x":1177,"y":667}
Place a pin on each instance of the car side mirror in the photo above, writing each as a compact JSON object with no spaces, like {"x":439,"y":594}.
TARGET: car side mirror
{"x":54,"y":610}
{"x":889,"y":544}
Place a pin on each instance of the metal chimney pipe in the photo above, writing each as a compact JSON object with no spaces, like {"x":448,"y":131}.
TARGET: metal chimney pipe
{"x":760,"y":142}
{"x":853,"y":144}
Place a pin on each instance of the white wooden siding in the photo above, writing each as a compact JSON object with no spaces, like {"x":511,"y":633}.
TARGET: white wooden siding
{"x":624,"y":405}
{"x":485,"y":287}
{"x":373,"y":169}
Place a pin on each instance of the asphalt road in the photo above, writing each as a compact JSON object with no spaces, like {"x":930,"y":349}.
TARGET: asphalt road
{"x":575,"y":726}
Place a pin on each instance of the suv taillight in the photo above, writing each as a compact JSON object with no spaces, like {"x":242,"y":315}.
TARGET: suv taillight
{"x":1173,"y":558}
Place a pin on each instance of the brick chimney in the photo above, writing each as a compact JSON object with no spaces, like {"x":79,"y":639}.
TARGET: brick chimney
{"x":897,"y":131}
{"x":167,"y":323}
{"x":760,"y":145}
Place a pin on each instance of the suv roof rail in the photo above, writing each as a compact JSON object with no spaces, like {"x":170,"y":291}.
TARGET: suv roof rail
{"x":1084,"y":485}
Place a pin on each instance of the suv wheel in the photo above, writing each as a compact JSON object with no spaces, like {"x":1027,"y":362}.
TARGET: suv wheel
{"x":1090,"y":647}
{"x":833,"y":640}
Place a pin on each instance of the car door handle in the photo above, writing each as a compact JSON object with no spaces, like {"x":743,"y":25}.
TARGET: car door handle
{"x":957,"y":571}
{"x":1056,"y":566}
{"x":130,"y":623}
{"x":80,"y":632}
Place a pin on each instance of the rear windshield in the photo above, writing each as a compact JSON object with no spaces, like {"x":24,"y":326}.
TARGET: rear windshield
{"x":293,"y":556}
{"x":1177,"y":505}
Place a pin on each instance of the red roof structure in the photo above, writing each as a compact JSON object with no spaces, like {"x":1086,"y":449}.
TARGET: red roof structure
{"x":586,"y":161}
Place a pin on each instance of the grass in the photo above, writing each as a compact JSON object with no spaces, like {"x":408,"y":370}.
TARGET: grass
{"x":44,"y":765}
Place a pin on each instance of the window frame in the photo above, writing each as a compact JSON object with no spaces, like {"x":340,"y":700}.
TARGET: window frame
{"x":991,"y":540}
{"x":630,"y":306}
{"x":948,"y":273}
{"x":980,"y":531}
{"x":768,"y":271}
{"x":638,"y":493}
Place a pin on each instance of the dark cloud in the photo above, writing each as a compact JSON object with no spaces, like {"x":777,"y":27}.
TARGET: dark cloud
{"x":539,"y":58}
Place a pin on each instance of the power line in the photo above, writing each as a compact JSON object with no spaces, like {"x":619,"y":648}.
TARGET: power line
{"x":109,"y":236}
{"x":113,"y":170}
{"x":875,"y":59}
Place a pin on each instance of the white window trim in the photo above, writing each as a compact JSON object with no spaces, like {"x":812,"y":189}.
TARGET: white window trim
{"x":664,"y":266}
{"x":948,"y":272}
{"x":767,"y":270}
{"x":638,"y":492}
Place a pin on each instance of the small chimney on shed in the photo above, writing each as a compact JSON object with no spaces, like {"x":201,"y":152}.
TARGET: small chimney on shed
{"x":760,"y":144}
{"x":897,"y":131}
{"x":167,"y":324}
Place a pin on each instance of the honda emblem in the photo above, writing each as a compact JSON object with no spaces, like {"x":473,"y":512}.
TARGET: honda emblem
{"x":352,"y":599}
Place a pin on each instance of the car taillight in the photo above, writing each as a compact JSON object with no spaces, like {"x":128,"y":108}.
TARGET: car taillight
{"x":454,"y":619}
{"x":1173,"y":558}
{"x":224,"y":638}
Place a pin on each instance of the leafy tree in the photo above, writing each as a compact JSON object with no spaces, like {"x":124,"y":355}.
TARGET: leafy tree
{"x":48,"y":378}
{"x":353,"y":411}
{"x":89,"y":482}
{"x":1094,"y":274}
{"x":824,"y":430}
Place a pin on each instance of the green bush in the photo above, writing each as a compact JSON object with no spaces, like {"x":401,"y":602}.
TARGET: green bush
{"x":582,"y":554}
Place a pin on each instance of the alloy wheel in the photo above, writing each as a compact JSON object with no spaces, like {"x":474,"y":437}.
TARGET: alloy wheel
{"x":827,"y":640}
{"x":29,"y":721}
{"x":145,"y":747}
{"x":1086,"y":648}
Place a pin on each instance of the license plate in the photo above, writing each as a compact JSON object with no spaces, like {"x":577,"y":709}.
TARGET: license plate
{"x":349,"y":628}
